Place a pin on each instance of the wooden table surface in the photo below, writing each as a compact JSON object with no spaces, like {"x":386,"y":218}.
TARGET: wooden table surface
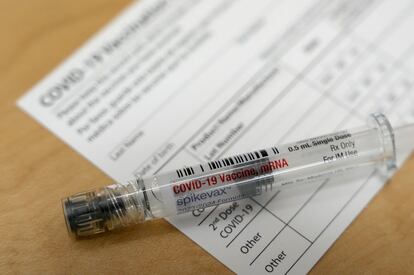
{"x":37,"y":169}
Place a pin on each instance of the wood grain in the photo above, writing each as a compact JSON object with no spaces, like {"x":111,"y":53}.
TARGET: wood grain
{"x":37,"y":169}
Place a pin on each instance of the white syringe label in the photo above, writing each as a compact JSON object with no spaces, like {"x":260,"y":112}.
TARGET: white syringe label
{"x":248,"y":174}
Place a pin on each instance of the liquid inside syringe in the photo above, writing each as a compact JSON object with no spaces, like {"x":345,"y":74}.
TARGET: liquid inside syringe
{"x":232,"y":178}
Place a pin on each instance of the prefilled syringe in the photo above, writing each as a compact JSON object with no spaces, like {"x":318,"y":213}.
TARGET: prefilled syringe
{"x":233,"y":178}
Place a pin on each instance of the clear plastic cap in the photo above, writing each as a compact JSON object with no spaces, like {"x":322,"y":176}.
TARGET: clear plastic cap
{"x":104,"y":209}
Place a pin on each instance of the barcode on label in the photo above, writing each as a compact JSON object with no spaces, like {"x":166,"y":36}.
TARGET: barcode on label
{"x":275,"y":150}
{"x":186,"y":171}
{"x":237,"y":159}
{"x":234,"y":160}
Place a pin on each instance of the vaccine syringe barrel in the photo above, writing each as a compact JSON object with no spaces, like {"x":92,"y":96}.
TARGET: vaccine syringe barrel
{"x":232,"y":178}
